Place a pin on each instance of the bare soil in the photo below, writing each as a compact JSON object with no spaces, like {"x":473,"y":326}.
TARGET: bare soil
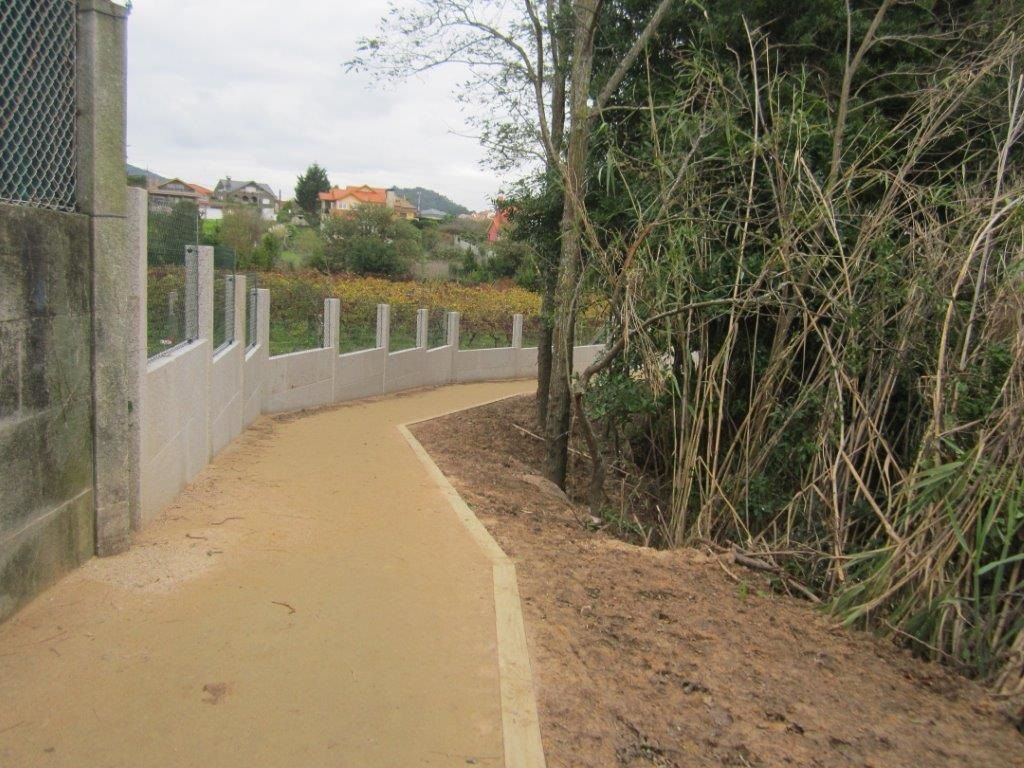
{"x":645,"y":657}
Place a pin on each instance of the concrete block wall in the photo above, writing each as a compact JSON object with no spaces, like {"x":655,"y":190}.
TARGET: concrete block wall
{"x":195,"y":400}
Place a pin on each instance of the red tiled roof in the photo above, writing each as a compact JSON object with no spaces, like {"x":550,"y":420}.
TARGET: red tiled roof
{"x":363,"y":194}
{"x":200,"y":189}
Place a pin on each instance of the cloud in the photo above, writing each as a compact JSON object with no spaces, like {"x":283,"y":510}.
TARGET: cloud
{"x":254,"y":88}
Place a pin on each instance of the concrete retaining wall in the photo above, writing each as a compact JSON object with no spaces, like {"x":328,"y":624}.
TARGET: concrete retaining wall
{"x":195,"y":401}
{"x":174,"y":421}
{"x":46,"y":411}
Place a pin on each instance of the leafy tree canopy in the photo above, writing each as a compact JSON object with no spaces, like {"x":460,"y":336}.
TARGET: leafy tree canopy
{"x":241,"y":230}
{"x":369,"y":241}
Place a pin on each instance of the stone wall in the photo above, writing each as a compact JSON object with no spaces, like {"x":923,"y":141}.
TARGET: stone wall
{"x":46,"y":438}
{"x":66,"y":373}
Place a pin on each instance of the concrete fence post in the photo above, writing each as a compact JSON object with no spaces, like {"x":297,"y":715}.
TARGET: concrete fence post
{"x":101,"y":194}
{"x":422,"y":321}
{"x":204,"y":282}
{"x":332,"y":324}
{"x":453,"y":343}
{"x":384,"y":327}
{"x":262,"y":351}
{"x":517,"y":331}
{"x":263,"y":320}
{"x":138,"y":318}
{"x":204,"y":311}
{"x":229,"y":308}
{"x":453,"y":330}
{"x":240,"y":306}
{"x":192,"y":292}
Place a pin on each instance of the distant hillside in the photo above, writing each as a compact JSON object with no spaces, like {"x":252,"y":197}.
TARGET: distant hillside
{"x":428,"y":198}
{"x":134,"y":170}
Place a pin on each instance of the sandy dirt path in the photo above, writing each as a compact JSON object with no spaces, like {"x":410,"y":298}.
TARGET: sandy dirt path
{"x":310,"y":600}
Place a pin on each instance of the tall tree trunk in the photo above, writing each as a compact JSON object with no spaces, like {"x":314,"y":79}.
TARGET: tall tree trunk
{"x":581,"y":118}
{"x":549,"y":269}
{"x":559,"y":406}
{"x":547,"y":305}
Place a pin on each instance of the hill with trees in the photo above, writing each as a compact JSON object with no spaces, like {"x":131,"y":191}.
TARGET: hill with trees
{"x":424,"y":199}
{"x":144,"y":174}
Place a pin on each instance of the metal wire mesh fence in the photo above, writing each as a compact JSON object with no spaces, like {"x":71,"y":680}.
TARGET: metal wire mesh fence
{"x":224,"y":261}
{"x":251,"y":310}
{"x":437,"y":328}
{"x":296,"y":318}
{"x":37,"y":112}
{"x":590,"y":330}
{"x":403,"y":326}
{"x":480,"y":332}
{"x":172,"y":296}
{"x":358,"y":326}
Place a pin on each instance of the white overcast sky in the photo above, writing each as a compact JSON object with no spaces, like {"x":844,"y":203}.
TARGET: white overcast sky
{"x":256,"y":89}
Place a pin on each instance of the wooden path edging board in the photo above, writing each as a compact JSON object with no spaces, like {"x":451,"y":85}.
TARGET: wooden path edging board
{"x":519,"y":720}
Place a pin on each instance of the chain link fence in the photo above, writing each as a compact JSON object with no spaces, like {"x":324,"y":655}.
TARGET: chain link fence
{"x":37,"y":103}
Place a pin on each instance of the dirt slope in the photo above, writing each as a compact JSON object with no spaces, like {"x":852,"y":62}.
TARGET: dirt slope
{"x":672,"y":659}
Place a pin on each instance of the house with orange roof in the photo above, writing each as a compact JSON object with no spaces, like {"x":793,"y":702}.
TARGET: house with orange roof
{"x":164,"y":195}
{"x":339,"y":200}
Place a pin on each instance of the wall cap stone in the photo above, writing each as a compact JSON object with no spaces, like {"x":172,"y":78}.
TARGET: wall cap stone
{"x":105,"y":7}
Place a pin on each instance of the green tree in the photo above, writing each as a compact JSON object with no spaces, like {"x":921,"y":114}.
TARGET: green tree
{"x":369,"y":241}
{"x":241,"y":230}
{"x":308,"y":187}
{"x":265,"y":255}
{"x":308,"y":245}
{"x":518,"y":59}
{"x":535,"y":62}
{"x":209,"y":232}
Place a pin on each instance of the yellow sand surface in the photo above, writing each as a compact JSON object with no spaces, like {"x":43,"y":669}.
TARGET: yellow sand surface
{"x":310,"y":600}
